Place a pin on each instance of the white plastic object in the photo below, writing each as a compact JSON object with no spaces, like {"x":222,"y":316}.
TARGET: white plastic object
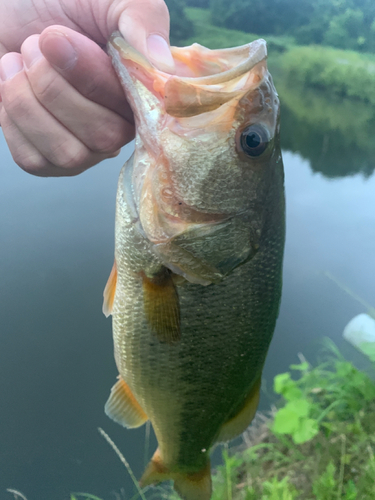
{"x":360,"y":329}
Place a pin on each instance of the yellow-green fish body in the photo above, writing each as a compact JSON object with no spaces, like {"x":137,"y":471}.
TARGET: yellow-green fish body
{"x":195,"y":288}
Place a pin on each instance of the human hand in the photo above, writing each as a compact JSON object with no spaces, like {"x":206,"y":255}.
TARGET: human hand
{"x":63,"y":109}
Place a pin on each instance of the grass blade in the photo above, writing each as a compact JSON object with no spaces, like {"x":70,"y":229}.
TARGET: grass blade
{"x":124,"y":461}
{"x":17,"y":494}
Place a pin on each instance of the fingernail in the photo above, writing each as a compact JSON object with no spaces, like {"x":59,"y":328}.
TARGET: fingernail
{"x":10,"y":65}
{"x":30,"y":51}
{"x":160,"y":53}
{"x":57,"y":48}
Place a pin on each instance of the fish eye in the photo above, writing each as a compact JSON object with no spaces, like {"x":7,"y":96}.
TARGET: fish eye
{"x":254,"y":140}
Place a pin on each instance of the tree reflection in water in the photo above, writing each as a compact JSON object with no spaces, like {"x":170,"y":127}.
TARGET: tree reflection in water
{"x":335,"y":134}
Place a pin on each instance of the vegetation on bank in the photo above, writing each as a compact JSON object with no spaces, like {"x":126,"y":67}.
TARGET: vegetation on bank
{"x":345,"y":24}
{"x":345,"y":73}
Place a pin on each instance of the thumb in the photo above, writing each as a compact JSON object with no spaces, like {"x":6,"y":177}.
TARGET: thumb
{"x":145,"y":26}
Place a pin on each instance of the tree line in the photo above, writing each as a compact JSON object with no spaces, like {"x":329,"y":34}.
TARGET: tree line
{"x":346,"y":24}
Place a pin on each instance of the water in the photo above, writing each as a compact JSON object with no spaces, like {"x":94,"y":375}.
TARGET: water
{"x":56,"y":361}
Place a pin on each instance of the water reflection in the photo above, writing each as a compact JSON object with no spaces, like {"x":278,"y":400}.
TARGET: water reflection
{"x":335,"y":134}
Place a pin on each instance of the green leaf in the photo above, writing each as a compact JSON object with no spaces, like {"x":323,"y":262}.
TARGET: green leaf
{"x":276,"y":489}
{"x":325,"y":486}
{"x":251,"y":494}
{"x":285,"y":422}
{"x":351,"y":492}
{"x":300,"y":407}
{"x":344,"y":369}
{"x":281,"y":381}
{"x":284,"y":385}
{"x":308,"y":429}
{"x":292,"y":393}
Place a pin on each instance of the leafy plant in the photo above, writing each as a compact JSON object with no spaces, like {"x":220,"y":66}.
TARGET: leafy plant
{"x":279,"y":490}
{"x":294,"y":417}
{"x":325,"y":485}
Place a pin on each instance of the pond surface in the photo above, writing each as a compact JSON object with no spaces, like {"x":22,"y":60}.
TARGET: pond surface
{"x":56,"y":252}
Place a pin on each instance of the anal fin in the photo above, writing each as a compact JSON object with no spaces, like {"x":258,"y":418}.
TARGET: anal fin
{"x":109,"y":291}
{"x":161,"y":305}
{"x":239,"y":423}
{"x":122,"y":406}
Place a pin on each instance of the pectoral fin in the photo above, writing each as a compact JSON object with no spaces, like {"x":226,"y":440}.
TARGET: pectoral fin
{"x":109,"y":291}
{"x":122,"y":406}
{"x":161,"y":305}
{"x":238,"y":424}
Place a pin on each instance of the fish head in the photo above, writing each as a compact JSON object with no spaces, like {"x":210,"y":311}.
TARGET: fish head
{"x":207,"y":136}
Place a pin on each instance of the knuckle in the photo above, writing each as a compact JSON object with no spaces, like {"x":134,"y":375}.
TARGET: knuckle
{"x":15,"y":103}
{"x":32,"y":163}
{"x":69,"y":156}
{"x":108,"y":138}
{"x":90,"y":87}
{"x":47,"y":88}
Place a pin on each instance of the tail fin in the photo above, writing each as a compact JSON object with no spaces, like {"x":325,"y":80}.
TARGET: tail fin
{"x":196,"y":486}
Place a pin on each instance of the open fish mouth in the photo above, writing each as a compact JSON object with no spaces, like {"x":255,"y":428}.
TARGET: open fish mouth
{"x":204,"y":76}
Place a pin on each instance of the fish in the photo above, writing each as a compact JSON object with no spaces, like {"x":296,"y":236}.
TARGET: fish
{"x":195,"y":287}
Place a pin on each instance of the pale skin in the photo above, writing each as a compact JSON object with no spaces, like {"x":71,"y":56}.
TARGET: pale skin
{"x":62,"y":108}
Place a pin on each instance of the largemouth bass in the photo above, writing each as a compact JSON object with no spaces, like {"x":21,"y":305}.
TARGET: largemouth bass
{"x":195,"y":288}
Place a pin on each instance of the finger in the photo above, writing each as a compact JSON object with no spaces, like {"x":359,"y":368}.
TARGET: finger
{"x":85,"y":66}
{"x":22,"y":151}
{"x":31,"y":160}
{"x":12,"y":65}
{"x":145,"y":25}
{"x":97,"y":127}
{"x":40,"y":129}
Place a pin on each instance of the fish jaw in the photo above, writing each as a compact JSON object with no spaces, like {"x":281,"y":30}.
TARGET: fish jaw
{"x":187,"y":129}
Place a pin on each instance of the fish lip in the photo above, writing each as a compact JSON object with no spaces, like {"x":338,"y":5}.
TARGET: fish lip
{"x":244,"y":58}
{"x":252,"y":54}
